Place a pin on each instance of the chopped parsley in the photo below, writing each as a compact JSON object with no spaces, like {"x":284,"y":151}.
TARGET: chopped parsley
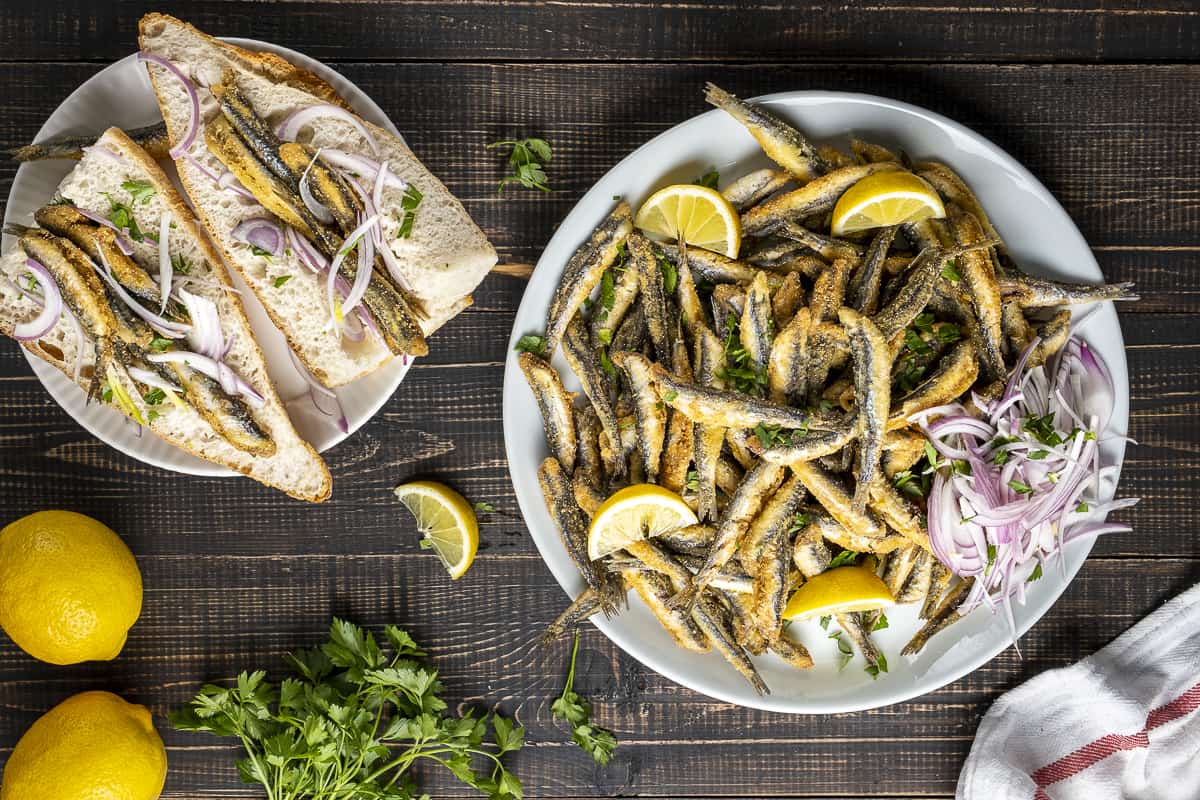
{"x":525,"y":161}
{"x":140,"y":191}
{"x":408,"y":203}
{"x":1082,"y":508}
{"x":739,"y":369}
{"x":845,"y":653}
{"x":1037,"y":573}
{"x":692,"y":484}
{"x":608,"y":292}
{"x":484,"y":507}
{"x":604,"y":335}
{"x":880,"y":666}
{"x":258,"y":251}
{"x":670,"y":274}
{"x":158,"y":344}
{"x":844,"y":558}
{"x":154,"y":397}
{"x":61,"y":200}
{"x":798,"y":522}
{"x":531,"y":343}
{"x":710,"y":179}
{"x":122,"y":217}
{"x":180,"y":264}
{"x":670,"y":395}
{"x":880,"y":624}
{"x":950,"y":271}
{"x":1019,"y":487}
{"x":606,"y":363}
{"x":281,"y":280}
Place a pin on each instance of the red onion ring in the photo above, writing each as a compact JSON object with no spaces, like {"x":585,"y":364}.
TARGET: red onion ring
{"x":360,"y":166}
{"x":151,"y":379}
{"x":194,"y":123}
{"x":206,"y":336}
{"x":52,"y":306}
{"x":261,"y":233}
{"x":291,"y":126}
{"x":315,"y":389}
{"x":348,"y":244}
{"x":164,"y":326}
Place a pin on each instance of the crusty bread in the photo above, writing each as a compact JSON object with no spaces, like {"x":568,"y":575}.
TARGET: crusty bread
{"x":443,"y":260}
{"x":295,"y":468}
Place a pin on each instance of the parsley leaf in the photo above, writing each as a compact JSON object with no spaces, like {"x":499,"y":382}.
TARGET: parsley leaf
{"x":1019,"y":487}
{"x":950,"y":271}
{"x":484,"y":507}
{"x":121,"y":216}
{"x":880,"y":666}
{"x":349,"y":700}
{"x":1037,"y":573}
{"x":525,"y":161}
{"x":140,"y":191}
{"x":710,"y":179}
{"x":408,"y":203}
{"x":159,"y":344}
{"x":281,"y":280}
{"x":597,"y":742}
{"x":531,"y":343}
{"x":843,"y":558}
{"x":880,"y":624}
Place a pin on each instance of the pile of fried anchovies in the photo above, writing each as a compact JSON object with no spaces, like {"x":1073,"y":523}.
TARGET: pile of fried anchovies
{"x":774,"y":393}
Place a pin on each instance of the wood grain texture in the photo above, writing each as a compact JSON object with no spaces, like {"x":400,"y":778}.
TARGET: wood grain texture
{"x":236,"y":575}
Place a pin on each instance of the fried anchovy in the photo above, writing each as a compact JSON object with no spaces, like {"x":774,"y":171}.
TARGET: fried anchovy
{"x":915,"y":291}
{"x":787,"y":382}
{"x":655,"y":590}
{"x":679,"y":448}
{"x":558,"y":418}
{"x":733,"y":409}
{"x":787,"y":300}
{"x":573,"y":527}
{"x":1018,"y":333}
{"x":96,"y":240}
{"x":584,"y":360}
{"x":253,"y":129}
{"x":326,"y":186}
{"x":771,"y":584}
{"x":1052,"y":335}
{"x":816,"y":196}
{"x":773,"y":521}
{"x":754,"y":187}
{"x":826,"y":247}
{"x":810,"y":448}
{"x":588,"y":462}
{"x":691,"y":307}
{"x":939,"y":579}
{"x":829,"y":291}
{"x":739,"y":447}
{"x":1030,"y":292}
{"x":979,"y":279}
{"x":955,"y":374}
{"x":898,"y":566}
{"x":605,"y":321}
{"x":852,"y":623}
{"x":834,"y":532}
{"x":782,"y":143}
{"x":794,"y":653}
{"x":863,"y":292}
{"x":718,"y":269}
{"x":229,"y":416}
{"x":587,"y":496}
{"x":832,"y":495}
{"x":631,"y":333}
{"x":828,"y":349}
{"x":584,"y":271}
{"x":897,"y":512}
{"x":713,"y":620}
{"x":901,"y":449}
{"x":755,"y":327}
{"x":582,"y":607}
{"x":773,"y":250}
{"x":951,"y":188}
{"x":810,"y":554}
{"x":654,"y":300}
{"x":694,"y":540}
{"x":649,"y":408}
{"x":83,"y":294}
{"x":677,"y":567}
{"x":707,"y":439}
{"x":152,"y":138}
{"x":870,"y":153}
{"x":872,"y":395}
{"x":916,"y":588}
{"x":946,"y":613}
{"x":755,"y":487}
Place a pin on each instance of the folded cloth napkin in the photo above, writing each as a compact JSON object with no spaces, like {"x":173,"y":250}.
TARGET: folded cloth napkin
{"x":1122,"y":723}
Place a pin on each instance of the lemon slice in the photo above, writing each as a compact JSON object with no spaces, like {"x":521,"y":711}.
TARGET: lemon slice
{"x":636,"y":512}
{"x":445,"y":519}
{"x":700,"y":216}
{"x":886,"y":198}
{"x":839,"y":591}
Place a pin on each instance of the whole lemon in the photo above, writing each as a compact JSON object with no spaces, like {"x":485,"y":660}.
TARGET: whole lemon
{"x":69,"y":588}
{"x":93,"y":746}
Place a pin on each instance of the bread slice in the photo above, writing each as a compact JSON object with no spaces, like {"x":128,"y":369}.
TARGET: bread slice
{"x":443,"y":260}
{"x":295,"y":467}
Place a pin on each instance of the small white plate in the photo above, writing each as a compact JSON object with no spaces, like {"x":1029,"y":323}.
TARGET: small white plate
{"x":120,"y":94}
{"x":1040,"y":236}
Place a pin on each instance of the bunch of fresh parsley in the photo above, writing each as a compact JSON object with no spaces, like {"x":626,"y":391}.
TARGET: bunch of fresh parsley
{"x":597,"y":742}
{"x":526,"y":161}
{"x":353,"y":724}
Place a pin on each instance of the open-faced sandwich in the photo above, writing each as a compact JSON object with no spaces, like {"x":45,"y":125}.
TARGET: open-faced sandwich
{"x":355,"y":250}
{"x":118,"y":287}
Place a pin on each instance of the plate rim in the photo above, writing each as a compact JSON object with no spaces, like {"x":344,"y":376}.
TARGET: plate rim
{"x":1073,"y":558}
{"x":189,"y":464}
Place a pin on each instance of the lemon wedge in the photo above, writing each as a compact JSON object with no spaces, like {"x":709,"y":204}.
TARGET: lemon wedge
{"x":445,"y":520}
{"x":636,"y":512}
{"x":700,"y":216}
{"x":839,"y":591}
{"x":886,"y":198}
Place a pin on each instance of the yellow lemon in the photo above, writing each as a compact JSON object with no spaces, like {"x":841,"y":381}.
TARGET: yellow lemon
{"x":93,"y":746}
{"x":885,"y":198}
{"x":839,"y":591}
{"x":700,"y":216}
{"x":69,"y":588}
{"x":446,"y":520}
{"x":637,"y":512}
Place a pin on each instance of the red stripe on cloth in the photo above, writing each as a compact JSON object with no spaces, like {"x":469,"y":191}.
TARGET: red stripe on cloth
{"x":1094,"y":752}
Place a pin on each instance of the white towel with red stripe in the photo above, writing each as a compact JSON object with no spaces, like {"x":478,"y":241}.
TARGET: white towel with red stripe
{"x":1123,"y":723}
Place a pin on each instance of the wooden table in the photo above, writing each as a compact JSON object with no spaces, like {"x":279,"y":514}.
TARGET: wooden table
{"x":1096,"y":97}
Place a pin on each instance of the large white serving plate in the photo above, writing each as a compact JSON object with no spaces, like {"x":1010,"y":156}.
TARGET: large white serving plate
{"x":120,"y":94}
{"x":1041,"y":238}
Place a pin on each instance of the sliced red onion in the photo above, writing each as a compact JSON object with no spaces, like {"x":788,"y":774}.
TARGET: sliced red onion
{"x":362,"y":278}
{"x":52,"y":306}
{"x":122,"y":243}
{"x":308,"y":255}
{"x":165,"y":269}
{"x":229,"y":380}
{"x":229,"y":182}
{"x":109,"y":154}
{"x":319,"y":211}
{"x":208,"y":173}
{"x":206,"y":336}
{"x":361,"y":166}
{"x":290,"y":127}
{"x":194,"y":122}
{"x":151,"y":379}
{"x":164,"y":326}
{"x":349,"y":244}
{"x":380,"y":180}
{"x":320,"y":394}
{"x":261,"y":233}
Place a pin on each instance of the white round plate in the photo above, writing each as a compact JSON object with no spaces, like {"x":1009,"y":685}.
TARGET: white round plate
{"x":120,"y":94}
{"x":1040,"y":236}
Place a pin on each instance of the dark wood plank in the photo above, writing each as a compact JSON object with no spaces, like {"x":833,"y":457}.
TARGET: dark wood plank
{"x":208,"y":616}
{"x":898,"y":30}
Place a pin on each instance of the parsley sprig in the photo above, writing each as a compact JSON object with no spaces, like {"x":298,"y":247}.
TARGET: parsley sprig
{"x":597,"y":742}
{"x":353,"y":724}
{"x":526,"y":162}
